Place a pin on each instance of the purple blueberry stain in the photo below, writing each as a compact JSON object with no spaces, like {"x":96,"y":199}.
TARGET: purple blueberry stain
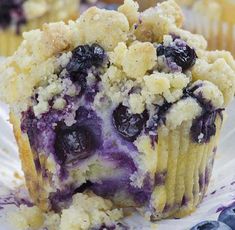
{"x":214,"y":192}
{"x":160,"y":178}
{"x":201,"y":181}
{"x":185,"y":201}
{"x":167,"y":208}
{"x":17,"y":197}
{"x":157,"y":119}
{"x":61,"y":198}
{"x":203,"y":128}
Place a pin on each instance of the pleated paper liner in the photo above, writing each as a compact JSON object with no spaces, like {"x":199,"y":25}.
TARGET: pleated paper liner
{"x":183,"y":171}
{"x":220,"y":34}
{"x":10,"y":40}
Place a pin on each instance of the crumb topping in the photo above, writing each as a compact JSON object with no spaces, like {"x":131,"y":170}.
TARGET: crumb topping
{"x":132,"y":54}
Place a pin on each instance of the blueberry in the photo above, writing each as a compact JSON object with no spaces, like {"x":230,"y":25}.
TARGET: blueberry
{"x":128,"y":125}
{"x":72,"y":143}
{"x":180,"y":53}
{"x":160,"y":50}
{"x":111,"y":7}
{"x":83,"y":58}
{"x":211,"y":225}
{"x":227,"y":216}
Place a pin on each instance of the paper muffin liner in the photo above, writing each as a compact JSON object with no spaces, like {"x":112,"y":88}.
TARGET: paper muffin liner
{"x":10,"y":40}
{"x":220,"y":34}
{"x":183,"y":172}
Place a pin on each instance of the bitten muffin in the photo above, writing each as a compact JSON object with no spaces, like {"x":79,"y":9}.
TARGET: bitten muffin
{"x":121,"y":103}
{"x":18,"y":16}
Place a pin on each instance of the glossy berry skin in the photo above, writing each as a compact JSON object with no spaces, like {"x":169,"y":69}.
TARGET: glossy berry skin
{"x":128,"y":125}
{"x":84,"y":57}
{"x":182,"y":55}
{"x":227,"y":216}
{"x":72,"y":143}
{"x":211,"y":225}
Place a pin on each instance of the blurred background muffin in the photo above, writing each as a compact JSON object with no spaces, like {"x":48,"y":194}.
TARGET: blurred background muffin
{"x":108,"y":4}
{"x":214,"y":19}
{"x":18,"y":16}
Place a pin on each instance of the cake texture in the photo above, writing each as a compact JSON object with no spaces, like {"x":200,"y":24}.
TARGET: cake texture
{"x":87,"y":211}
{"x":18,"y":16}
{"x":122,"y":104}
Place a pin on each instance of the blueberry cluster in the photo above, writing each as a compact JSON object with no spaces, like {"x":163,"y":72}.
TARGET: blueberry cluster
{"x":84,"y":57}
{"x":226,"y":221}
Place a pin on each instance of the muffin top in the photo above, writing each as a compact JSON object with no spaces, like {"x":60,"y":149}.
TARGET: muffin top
{"x":150,"y":61}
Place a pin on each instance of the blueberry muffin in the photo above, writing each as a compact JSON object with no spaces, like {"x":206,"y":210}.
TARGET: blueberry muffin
{"x":123,"y":104}
{"x":18,"y":16}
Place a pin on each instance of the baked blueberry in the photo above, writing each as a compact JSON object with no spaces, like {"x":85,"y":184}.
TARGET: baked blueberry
{"x":211,"y":225}
{"x":180,"y":53}
{"x":72,"y":143}
{"x":128,"y":125}
{"x":227,"y":216}
{"x":83,"y":58}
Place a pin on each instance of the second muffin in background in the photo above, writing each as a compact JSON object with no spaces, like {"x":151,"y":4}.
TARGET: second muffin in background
{"x":18,"y":16}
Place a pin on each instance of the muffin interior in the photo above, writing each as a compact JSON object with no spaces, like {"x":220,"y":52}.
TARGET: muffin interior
{"x":92,"y":141}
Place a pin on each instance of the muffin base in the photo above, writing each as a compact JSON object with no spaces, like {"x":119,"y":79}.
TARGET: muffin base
{"x":186,"y":183}
{"x":35,"y":182}
{"x":183,"y":170}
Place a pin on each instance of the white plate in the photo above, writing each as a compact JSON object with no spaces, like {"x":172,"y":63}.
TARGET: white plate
{"x":221,"y":191}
